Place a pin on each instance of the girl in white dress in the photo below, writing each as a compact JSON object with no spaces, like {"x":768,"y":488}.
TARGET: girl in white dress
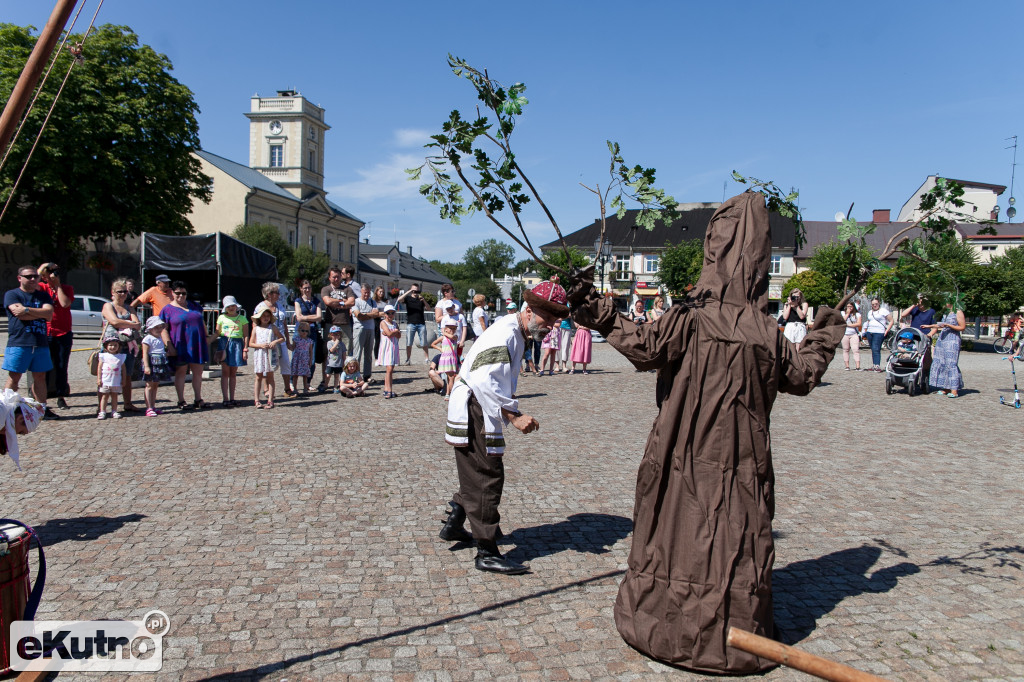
{"x":264,"y":337}
{"x":388,"y":356}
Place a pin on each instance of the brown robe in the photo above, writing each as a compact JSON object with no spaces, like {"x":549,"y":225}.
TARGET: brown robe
{"x":702,"y":553}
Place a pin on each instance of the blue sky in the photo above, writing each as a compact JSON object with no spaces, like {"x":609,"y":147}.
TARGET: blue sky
{"x":848,"y":102}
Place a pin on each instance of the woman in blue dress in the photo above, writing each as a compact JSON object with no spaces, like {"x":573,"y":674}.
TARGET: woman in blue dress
{"x":945,"y":376}
{"x":187,"y":331}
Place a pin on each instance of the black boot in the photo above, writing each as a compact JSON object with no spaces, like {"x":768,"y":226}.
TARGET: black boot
{"x":452,"y":530}
{"x":488,"y":558}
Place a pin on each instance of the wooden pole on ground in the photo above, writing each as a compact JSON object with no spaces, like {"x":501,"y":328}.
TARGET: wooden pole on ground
{"x":15,"y":106}
{"x":795,"y":658}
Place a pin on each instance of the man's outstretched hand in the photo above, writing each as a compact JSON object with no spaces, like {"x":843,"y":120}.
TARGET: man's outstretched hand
{"x":579,"y":285}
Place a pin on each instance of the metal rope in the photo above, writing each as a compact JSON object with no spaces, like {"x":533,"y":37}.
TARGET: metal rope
{"x":76,"y":52}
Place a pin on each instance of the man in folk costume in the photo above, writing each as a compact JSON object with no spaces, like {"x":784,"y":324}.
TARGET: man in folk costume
{"x":702,"y":553}
{"x":481,"y":403}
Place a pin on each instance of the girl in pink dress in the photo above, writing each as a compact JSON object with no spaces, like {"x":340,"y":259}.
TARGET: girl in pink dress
{"x":550,"y":347}
{"x":388,"y":355}
{"x":447,"y":343}
{"x":581,"y":346}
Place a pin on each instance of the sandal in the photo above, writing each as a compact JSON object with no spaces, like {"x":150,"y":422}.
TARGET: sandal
{"x":269,"y":405}
{"x":201,"y":405}
{"x":182,"y":405}
{"x":259,"y":406}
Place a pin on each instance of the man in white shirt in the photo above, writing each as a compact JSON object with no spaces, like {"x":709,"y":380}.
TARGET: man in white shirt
{"x":481,"y":403}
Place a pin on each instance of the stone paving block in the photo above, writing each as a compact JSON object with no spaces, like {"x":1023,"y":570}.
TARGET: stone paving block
{"x":310,"y":551}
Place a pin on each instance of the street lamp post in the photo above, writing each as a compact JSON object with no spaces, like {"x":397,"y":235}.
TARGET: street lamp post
{"x":602,"y":254}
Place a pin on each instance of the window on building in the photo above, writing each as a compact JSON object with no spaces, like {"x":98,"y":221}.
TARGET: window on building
{"x":312,"y":160}
{"x":622,"y":268}
{"x":312,"y":240}
{"x":988,"y":248}
{"x":291,"y":238}
{"x":776,"y":266}
{"x":341,"y":250}
{"x":651,"y":263}
{"x":352,"y":253}
{"x":276,"y":156}
{"x":327,"y":247}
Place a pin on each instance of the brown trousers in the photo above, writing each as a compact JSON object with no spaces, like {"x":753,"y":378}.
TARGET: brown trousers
{"x":481,"y":479}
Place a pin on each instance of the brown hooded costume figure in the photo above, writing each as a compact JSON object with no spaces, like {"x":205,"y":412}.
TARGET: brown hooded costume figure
{"x":702,"y":553}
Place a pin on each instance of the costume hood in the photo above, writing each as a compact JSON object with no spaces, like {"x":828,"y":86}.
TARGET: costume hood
{"x":737,"y":253}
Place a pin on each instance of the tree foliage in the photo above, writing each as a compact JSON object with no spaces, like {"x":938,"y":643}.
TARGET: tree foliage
{"x":461,"y":159}
{"x":267,"y":238}
{"x":555,"y":262}
{"x":816,"y":288}
{"x":838,"y":260}
{"x":681,"y":265}
{"x":490,"y":257}
{"x":313,"y":264}
{"x":116,"y":156}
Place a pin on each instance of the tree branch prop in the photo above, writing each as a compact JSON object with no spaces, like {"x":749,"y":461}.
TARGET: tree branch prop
{"x":938,"y":204}
{"x":499,"y":182}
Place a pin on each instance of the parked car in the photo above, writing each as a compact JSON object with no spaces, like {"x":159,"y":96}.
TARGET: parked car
{"x":86,"y":315}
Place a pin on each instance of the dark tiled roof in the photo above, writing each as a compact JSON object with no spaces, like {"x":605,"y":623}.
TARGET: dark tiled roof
{"x":409,"y":266}
{"x":823,"y":231}
{"x":253,"y":179}
{"x":692,"y":223}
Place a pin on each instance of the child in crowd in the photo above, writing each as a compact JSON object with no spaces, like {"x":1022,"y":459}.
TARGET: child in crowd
{"x":352,"y":383}
{"x":448,"y":344}
{"x":232,"y":347}
{"x":550,"y":348}
{"x":264,"y":338}
{"x":388,"y":356}
{"x":108,"y":378}
{"x":335,"y":353}
{"x":302,"y":357}
{"x":154,"y":362}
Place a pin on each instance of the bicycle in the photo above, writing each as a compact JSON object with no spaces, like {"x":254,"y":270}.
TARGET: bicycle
{"x":1007,"y":344}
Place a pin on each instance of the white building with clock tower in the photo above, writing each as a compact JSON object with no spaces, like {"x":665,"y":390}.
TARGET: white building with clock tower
{"x":283,"y":184}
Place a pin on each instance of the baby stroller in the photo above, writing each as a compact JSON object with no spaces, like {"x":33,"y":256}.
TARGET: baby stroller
{"x":905,"y":366}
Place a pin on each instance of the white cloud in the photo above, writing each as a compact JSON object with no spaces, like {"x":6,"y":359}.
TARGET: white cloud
{"x":408,"y":137}
{"x":386,"y":180}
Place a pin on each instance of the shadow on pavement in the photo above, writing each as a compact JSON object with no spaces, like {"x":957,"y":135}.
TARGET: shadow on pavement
{"x":590,"y":533}
{"x":274,"y":669}
{"x":807,"y":590}
{"x":82,"y":528}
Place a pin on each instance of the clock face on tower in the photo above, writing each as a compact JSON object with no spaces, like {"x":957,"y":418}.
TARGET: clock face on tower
{"x":276,"y":127}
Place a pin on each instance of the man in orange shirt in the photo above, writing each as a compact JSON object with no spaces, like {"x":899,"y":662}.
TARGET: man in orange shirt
{"x":157,"y":296}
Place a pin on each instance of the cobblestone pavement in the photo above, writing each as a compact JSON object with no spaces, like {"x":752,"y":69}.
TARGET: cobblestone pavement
{"x":302,"y":542}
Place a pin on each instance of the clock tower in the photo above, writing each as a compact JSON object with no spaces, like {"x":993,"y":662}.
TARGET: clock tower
{"x":286,"y":142}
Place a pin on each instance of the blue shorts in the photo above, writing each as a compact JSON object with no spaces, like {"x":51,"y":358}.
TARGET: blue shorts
{"x":21,"y":359}
{"x":232,"y":351}
{"x":414,"y":330}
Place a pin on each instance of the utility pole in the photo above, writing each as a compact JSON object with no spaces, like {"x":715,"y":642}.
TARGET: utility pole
{"x":15,"y":106}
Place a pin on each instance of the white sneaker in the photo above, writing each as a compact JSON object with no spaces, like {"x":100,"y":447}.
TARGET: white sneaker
{"x":115,"y":415}
{"x":101,"y":415}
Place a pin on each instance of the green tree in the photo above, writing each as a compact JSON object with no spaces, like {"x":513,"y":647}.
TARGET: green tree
{"x":1012,"y":262}
{"x":453,"y":271}
{"x":267,"y":238}
{"x":555,"y":262}
{"x":313,"y":263}
{"x":490,"y":257}
{"x":516,"y":293}
{"x":838,"y":260}
{"x":816,"y":288}
{"x":482,"y":285}
{"x":116,"y":156}
{"x":522,"y":267}
{"x":681,"y":265}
